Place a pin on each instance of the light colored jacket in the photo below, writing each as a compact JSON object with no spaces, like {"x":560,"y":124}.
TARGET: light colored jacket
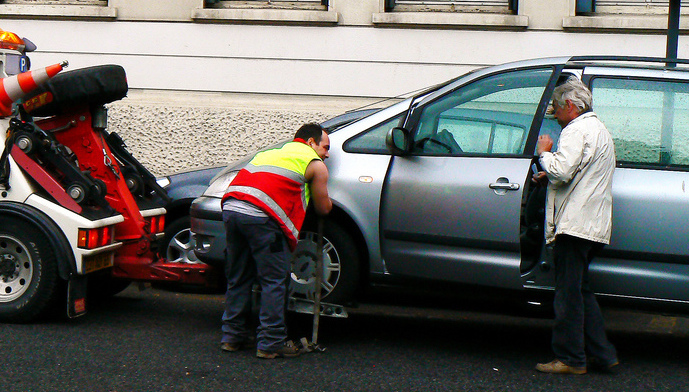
{"x":580,"y":173}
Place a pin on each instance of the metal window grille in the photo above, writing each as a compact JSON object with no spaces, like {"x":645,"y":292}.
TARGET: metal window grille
{"x":637,"y":3}
{"x":266,"y":1}
{"x":586,"y":7}
{"x":210,"y":3}
{"x":493,"y":3}
{"x":508,"y":4}
{"x":56,"y":2}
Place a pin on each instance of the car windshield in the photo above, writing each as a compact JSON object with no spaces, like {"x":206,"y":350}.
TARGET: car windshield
{"x":336,"y":123}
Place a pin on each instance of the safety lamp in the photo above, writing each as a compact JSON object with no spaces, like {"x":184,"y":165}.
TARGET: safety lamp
{"x":155,"y":224}
{"x":160,"y":224}
{"x":9,"y":40}
{"x":95,"y":238}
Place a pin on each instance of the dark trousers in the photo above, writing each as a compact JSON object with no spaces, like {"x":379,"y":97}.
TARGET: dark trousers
{"x":257,"y":251}
{"x":578,"y":330}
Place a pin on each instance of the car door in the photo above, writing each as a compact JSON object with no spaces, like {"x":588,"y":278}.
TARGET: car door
{"x":647,"y":114}
{"x":451,"y":206}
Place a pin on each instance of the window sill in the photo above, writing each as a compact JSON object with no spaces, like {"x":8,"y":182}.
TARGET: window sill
{"x":57,"y":11}
{"x":447,"y":19}
{"x":274,"y":16}
{"x":641,"y":23}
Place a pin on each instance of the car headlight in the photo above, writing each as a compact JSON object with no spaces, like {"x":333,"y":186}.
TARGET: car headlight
{"x":163,"y":181}
{"x":218,"y":187}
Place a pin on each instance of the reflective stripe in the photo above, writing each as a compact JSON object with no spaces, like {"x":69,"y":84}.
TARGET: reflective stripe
{"x":272,"y":161}
{"x":281,"y":171}
{"x":275,"y":181}
{"x":257,"y":193}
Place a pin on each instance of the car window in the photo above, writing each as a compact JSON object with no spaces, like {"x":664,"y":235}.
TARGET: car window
{"x":372,"y":141}
{"x":648,"y":119}
{"x":487,"y":117}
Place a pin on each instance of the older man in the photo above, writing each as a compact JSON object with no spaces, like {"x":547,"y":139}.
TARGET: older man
{"x":579,"y":224}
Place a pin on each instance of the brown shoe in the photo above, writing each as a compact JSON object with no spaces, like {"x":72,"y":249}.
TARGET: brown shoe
{"x":600,"y":366}
{"x":557,"y":367}
{"x":232,"y":347}
{"x":288,"y":350}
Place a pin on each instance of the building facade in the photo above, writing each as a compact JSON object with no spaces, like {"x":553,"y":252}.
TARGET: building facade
{"x":210,"y":81}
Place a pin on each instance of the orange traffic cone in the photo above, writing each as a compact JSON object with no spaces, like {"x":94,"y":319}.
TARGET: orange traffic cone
{"x":15,"y":87}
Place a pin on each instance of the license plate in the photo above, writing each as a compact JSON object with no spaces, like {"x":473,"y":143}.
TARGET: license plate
{"x":99,"y":261}
{"x":16,"y":64}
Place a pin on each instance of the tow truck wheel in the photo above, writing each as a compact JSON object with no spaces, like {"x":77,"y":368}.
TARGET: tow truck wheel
{"x":28,"y":272}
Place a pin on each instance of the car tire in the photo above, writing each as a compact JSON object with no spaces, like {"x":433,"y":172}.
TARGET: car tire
{"x":340,"y":265}
{"x":29,"y":281}
{"x":178,"y":245}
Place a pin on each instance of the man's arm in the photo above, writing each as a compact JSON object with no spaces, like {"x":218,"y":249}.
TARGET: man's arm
{"x":317,"y":176}
{"x":563,"y":164}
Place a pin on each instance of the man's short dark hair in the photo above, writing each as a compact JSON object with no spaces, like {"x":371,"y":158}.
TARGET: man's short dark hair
{"x":310,"y":130}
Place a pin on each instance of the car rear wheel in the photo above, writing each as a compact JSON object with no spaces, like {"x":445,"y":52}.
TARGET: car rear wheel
{"x":28,"y":271}
{"x":340,"y":265}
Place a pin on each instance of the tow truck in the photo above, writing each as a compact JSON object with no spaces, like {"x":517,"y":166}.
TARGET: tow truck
{"x":78,"y":213}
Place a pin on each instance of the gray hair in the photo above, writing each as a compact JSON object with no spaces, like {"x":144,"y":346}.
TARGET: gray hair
{"x":575,"y":91}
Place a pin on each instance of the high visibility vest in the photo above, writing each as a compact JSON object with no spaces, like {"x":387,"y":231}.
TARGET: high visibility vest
{"x":275,"y":182}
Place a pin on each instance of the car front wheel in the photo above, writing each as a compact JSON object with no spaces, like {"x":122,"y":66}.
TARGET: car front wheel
{"x":340,"y":265}
{"x":178,"y":243}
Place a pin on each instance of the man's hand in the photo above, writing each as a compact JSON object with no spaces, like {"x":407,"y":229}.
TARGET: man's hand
{"x":540,"y":178}
{"x":545,"y":143}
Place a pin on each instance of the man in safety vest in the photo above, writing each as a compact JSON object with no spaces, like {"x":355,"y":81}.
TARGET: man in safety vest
{"x":263,"y":210}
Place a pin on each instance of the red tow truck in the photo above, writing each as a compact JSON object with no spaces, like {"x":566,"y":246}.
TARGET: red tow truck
{"x":78,"y":216}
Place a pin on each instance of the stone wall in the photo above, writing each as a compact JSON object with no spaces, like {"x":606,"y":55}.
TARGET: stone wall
{"x":170,"y":132}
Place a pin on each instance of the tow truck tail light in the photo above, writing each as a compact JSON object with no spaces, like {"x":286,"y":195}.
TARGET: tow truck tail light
{"x":95,"y":238}
{"x":155,"y":224}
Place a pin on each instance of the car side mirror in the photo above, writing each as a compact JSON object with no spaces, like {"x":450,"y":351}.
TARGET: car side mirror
{"x":397,"y":141}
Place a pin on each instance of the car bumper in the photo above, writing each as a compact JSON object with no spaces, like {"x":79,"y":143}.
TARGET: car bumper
{"x":208,"y":230}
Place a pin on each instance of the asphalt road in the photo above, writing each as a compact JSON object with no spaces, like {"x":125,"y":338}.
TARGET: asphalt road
{"x":156,"y":340}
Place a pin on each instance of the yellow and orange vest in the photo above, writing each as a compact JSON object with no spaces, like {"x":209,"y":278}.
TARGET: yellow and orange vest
{"x":275,"y":182}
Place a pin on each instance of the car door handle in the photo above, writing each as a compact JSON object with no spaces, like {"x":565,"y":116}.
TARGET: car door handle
{"x":507,"y":186}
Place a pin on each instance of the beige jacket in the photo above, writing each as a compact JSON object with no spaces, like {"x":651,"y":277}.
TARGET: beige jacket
{"x":579,"y":199}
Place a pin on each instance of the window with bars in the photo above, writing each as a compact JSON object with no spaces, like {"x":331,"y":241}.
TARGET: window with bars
{"x":509,"y":6}
{"x":649,"y":7}
{"x":277,"y":4}
{"x":56,"y":2}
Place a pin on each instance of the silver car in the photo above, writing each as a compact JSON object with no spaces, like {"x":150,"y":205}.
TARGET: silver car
{"x":436,"y":187}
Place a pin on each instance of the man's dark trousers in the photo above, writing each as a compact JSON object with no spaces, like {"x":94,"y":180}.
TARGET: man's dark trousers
{"x":578,"y":330}
{"x":257,"y":250}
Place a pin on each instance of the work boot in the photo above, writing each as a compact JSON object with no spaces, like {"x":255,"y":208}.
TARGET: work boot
{"x":557,"y":367}
{"x":233,"y":347}
{"x":600,"y":366}
{"x":288,"y":350}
